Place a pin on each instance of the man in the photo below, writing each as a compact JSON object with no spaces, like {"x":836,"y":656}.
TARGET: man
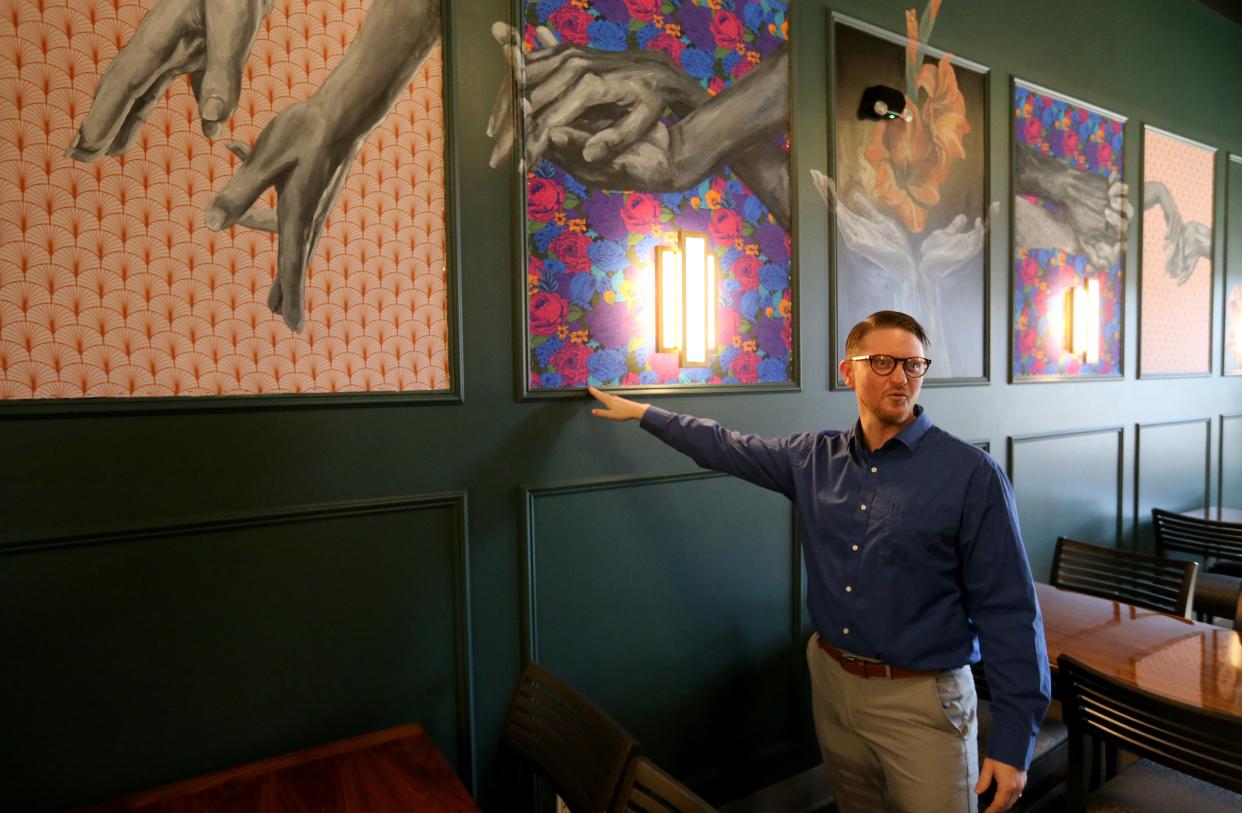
{"x":914,"y":565}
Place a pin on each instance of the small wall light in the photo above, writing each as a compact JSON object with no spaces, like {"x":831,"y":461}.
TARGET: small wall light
{"x":884,"y":103}
{"x":1082,"y":321}
{"x":686,"y":300}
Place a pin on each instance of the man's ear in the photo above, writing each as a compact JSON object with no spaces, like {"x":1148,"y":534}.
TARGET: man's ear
{"x":846,"y":368}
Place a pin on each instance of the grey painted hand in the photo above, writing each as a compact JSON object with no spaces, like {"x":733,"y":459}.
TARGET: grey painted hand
{"x":209,"y":40}
{"x":300,"y":154}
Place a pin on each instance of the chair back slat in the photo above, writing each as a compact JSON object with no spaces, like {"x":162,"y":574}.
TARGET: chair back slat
{"x":568,"y":739}
{"x":1209,"y":539}
{"x":1195,"y":741}
{"x":1154,"y":582}
{"x":647,"y":789}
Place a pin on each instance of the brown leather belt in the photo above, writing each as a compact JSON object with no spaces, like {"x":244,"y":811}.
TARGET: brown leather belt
{"x":868,"y":669}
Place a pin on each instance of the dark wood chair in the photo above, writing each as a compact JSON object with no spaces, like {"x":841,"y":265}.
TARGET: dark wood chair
{"x":568,"y":740}
{"x":1190,"y":758}
{"x":647,"y":789}
{"x":1153,"y":582}
{"x":1216,"y":545}
{"x":1045,"y":778}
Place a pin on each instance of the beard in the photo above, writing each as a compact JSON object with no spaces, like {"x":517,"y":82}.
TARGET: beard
{"x":894,"y":414}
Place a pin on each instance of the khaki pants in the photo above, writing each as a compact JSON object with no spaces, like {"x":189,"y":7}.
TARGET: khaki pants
{"x":906,"y":745}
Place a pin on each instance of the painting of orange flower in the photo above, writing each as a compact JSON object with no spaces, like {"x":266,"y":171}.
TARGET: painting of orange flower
{"x":911,"y":212}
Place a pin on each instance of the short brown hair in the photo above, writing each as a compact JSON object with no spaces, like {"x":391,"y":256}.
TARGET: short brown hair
{"x":884,"y":319}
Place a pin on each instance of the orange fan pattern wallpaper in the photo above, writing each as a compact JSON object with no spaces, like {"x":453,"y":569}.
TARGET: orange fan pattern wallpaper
{"x":112,"y":285}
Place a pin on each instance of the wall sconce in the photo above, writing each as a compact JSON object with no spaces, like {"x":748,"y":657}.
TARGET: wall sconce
{"x":1082,"y":321}
{"x":686,"y":300}
{"x":882,"y":102}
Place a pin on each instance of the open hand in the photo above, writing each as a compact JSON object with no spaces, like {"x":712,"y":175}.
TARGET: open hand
{"x":617,"y":408}
{"x":1009,"y":784}
{"x":209,"y":40}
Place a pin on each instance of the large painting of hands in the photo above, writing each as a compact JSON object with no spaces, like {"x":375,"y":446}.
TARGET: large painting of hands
{"x":1175,"y":297}
{"x":635,"y":121}
{"x":223,"y":197}
{"x":1070,"y":217}
{"x":911,"y":211}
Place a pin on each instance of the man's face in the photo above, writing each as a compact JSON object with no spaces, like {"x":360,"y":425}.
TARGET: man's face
{"x":890,"y":398}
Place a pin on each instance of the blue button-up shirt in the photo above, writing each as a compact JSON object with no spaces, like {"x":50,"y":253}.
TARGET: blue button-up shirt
{"x":913,"y":553}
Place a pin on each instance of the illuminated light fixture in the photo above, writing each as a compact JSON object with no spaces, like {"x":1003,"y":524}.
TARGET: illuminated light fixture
{"x":1082,"y":321}
{"x":686,"y":300}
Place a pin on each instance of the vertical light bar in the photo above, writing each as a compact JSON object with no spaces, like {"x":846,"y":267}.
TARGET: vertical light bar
{"x":1080,"y":320}
{"x":668,"y":303}
{"x":713,"y":301}
{"x":694,"y":294}
{"x":1093,"y":320}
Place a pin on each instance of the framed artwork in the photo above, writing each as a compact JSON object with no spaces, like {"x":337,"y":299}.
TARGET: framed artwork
{"x":1231,"y":358}
{"x":216,"y":213}
{"x":653,"y":133}
{"x":1175,"y":291}
{"x":910,"y":219}
{"x":1069,"y":238}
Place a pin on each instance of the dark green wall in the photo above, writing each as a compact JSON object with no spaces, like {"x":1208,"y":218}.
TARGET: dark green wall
{"x":183,"y":590}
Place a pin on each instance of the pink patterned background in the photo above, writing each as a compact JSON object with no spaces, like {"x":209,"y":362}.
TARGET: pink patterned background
{"x":1176,"y":323}
{"x":110,"y":283}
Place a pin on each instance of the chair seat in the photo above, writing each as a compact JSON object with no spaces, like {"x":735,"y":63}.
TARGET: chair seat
{"x":1146,"y":786}
{"x":1217,"y":594}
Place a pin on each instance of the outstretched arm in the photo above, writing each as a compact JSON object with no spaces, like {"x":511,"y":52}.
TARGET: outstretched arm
{"x":766,"y":462}
{"x":307,"y":150}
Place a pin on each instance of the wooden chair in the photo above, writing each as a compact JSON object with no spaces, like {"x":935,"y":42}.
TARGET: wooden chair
{"x":1190,"y":757}
{"x":1216,"y":545}
{"x":568,"y":740}
{"x":647,"y":789}
{"x":1154,"y":582}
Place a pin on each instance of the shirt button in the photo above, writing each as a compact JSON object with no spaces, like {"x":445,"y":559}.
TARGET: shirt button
{"x":849,"y":589}
{"x":846,"y":631}
{"x":854,"y":547}
{"x":874,"y":469}
{"x":862,"y":507}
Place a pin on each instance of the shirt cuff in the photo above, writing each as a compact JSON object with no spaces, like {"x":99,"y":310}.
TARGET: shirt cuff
{"x":656,"y":420}
{"x":1012,"y":747}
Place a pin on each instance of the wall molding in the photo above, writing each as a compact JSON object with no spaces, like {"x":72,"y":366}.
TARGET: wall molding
{"x":1138,"y":462}
{"x":1013,"y":441}
{"x":455,"y":501}
{"x":1220,"y":461}
{"x":529,"y":577}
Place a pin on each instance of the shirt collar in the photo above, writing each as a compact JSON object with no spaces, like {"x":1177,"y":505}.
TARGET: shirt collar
{"x":909,"y":436}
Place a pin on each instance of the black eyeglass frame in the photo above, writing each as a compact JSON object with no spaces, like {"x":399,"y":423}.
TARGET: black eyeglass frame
{"x":905,"y":363}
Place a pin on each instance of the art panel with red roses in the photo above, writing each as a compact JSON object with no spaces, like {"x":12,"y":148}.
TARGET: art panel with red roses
{"x":590,"y":251}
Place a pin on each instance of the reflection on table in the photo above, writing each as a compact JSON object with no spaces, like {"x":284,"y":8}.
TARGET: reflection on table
{"x":1183,"y":660}
{"x":398,"y":769}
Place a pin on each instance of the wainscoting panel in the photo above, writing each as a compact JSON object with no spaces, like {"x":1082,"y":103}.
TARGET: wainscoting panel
{"x":1067,"y":484}
{"x":674,"y":601}
{"x":1172,"y":470}
{"x":1229,"y":489}
{"x":196,"y":647}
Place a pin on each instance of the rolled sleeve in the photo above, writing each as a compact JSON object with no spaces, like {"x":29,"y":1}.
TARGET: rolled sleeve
{"x":1000,"y":597}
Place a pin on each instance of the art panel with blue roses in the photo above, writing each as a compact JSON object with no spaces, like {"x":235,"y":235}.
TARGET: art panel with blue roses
{"x":591,"y":310}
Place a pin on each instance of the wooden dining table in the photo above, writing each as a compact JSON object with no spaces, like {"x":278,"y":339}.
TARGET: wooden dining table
{"x":1179,"y":659}
{"x":397,"y":769}
{"x":1219,"y":513}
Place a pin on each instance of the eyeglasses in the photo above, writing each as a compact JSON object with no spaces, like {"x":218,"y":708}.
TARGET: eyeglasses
{"x":884,"y":364}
